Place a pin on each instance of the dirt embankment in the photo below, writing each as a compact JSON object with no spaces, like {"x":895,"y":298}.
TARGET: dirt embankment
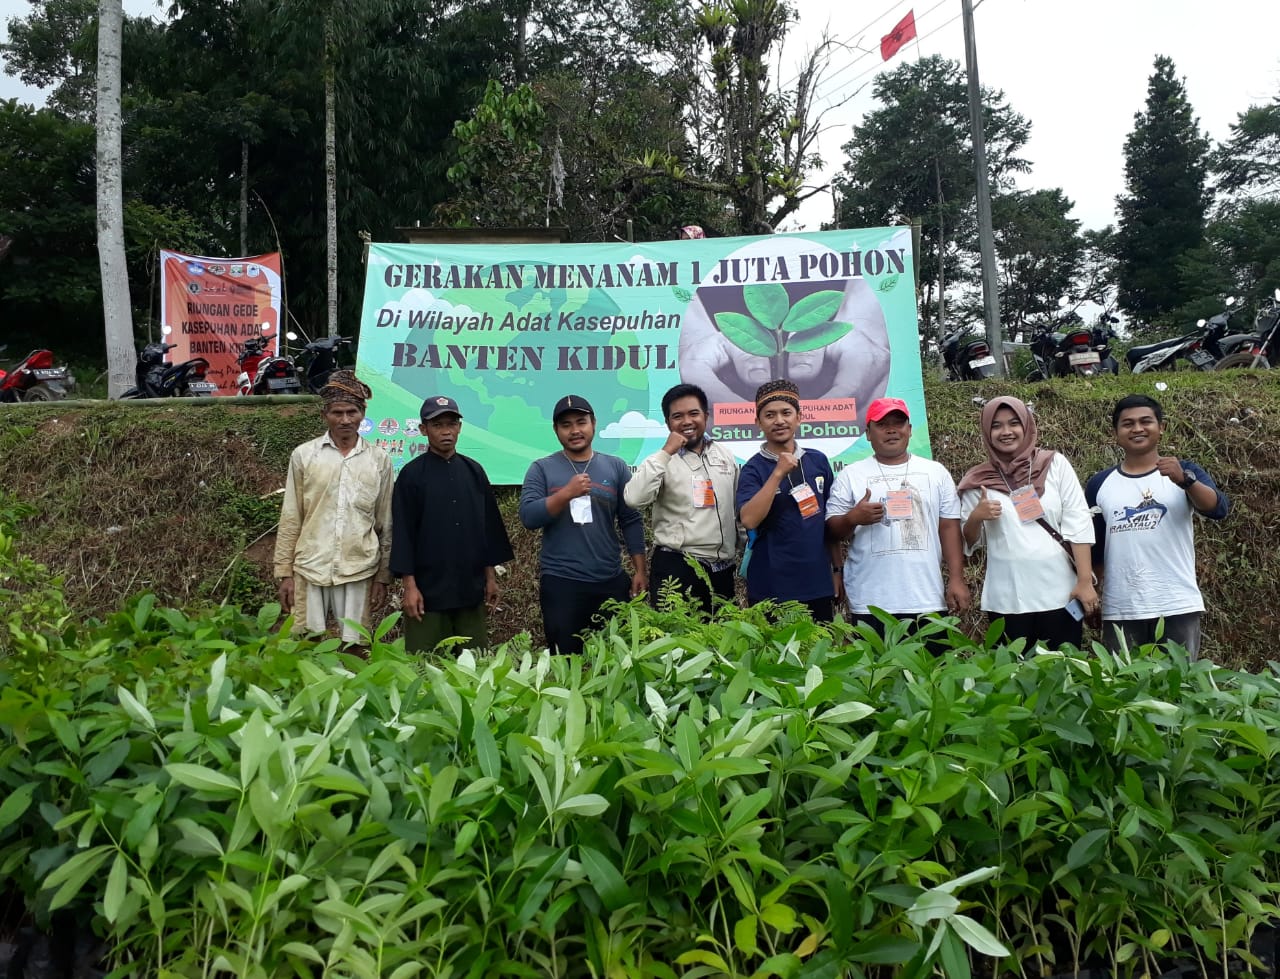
{"x":183,"y":500}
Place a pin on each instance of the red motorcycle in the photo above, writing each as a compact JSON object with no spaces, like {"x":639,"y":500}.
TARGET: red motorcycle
{"x":264,"y":373}
{"x":36,"y":379}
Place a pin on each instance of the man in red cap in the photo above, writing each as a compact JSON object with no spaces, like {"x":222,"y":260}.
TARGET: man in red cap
{"x":901,"y":516}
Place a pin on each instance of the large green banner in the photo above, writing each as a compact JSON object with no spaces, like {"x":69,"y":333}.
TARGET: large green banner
{"x":507,"y":330}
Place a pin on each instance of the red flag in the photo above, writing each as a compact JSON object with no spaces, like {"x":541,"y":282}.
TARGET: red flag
{"x":902,"y":32}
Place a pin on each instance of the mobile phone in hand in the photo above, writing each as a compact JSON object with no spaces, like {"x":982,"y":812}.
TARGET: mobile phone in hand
{"x":1075,"y":609}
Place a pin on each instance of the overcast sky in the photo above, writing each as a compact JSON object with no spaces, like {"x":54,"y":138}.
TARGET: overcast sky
{"x":1077,"y":69}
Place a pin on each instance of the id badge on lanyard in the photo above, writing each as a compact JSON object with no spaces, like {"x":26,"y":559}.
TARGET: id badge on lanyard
{"x":806,"y":500}
{"x":704,"y":494}
{"x":580,"y":509}
{"x":897,"y":504}
{"x":1026,"y":502}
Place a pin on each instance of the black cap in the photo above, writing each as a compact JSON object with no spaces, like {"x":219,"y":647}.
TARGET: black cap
{"x":571,"y":402}
{"x":439,"y":405}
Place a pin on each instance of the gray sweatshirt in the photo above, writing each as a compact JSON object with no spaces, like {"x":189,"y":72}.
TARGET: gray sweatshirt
{"x":582,"y":552}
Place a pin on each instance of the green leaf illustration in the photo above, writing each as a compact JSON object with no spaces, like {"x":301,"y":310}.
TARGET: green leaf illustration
{"x":684,"y":295}
{"x":820,"y":336}
{"x":768,"y":302}
{"x":813,"y":310}
{"x":888,"y":283}
{"x":746,"y":334}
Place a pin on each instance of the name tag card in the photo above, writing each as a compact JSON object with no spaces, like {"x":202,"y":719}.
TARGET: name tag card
{"x":580,"y":509}
{"x":1026,"y":501}
{"x":806,"y":500}
{"x":704,"y":494}
{"x":897,"y":504}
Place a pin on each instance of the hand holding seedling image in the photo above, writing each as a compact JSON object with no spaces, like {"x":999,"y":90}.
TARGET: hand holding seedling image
{"x":775,"y":327}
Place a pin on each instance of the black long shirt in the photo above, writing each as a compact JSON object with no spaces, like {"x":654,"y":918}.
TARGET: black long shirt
{"x":446,"y":529}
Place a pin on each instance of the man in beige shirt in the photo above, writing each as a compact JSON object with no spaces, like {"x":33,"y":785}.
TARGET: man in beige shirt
{"x":333,"y":549}
{"x":690,"y":483}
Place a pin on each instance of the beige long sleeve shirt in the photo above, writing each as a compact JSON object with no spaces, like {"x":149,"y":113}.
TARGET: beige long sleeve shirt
{"x":335,"y":523}
{"x":667,"y":482}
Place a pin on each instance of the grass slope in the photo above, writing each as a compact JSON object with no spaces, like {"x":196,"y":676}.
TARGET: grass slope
{"x":180,"y":499}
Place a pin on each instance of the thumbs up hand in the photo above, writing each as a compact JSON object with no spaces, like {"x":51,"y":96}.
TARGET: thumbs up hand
{"x":987,"y":508}
{"x":866,"y":512}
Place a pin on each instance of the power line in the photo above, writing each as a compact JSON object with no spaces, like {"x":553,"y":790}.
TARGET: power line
{"x":854,"y":36}
{"x":864,"y":54}
{"x":874,"y":68}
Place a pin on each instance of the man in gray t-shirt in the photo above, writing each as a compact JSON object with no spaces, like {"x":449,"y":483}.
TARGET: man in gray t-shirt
{"x":574,"y":497}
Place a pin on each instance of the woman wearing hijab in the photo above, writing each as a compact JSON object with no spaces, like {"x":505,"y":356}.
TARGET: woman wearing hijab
{"x":1026,"y":505}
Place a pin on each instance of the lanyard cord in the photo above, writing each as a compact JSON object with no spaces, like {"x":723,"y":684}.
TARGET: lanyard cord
{"x":885,"y":476}
{"x":800,"y":466}
{"x":701,"y":467}
{"x":1006,"y":478}
{"x":574,"y":466}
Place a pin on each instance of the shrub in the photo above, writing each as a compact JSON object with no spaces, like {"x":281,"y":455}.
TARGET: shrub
{"x":752,"y":796}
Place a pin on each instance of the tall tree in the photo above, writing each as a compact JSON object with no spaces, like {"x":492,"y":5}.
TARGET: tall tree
{"x":1250,"y":159}
{"x":1162,"y":211}
{"x":912,"y":158}
{"x":331,"y":167}
{"x":752,"y":141}
{"x":54,"y":48}
{"x":116,"y":310}
{"x":1040,"y":249}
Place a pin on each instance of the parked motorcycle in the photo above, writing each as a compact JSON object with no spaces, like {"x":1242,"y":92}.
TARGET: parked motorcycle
{"x":1078,"y":351}
{"x":1204,"y":348}
{"x":35,"y":378}
{"x":967,"y":357}
{"x":264,"y":373}
{"x":156,"y":379}
{"x":322,"y":359}
{"x":1263,"y":350}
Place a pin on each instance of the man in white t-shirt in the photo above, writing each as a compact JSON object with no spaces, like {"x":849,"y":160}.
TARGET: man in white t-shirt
{"x":904,"y":517}
{"x":1145,"y":552}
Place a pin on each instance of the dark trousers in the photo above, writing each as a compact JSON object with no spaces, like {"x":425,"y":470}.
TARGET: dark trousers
{"x":1054,"y":628}
{"x":423,"y":635}
{"x":568,"y":606}
{"x":669,"y":565}
{"x":937,"y":645}
{"x":1183,"y":629}
{"x":820,"y":609}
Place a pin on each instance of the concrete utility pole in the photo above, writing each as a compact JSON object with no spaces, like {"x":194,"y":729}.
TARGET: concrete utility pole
{"x":986,"y":237}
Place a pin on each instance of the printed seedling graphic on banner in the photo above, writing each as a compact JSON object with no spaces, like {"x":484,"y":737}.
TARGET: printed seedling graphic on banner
{"x":509,"y":329}
{"x":214,"y":304}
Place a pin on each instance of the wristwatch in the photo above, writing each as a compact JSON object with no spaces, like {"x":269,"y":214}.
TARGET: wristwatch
{"x":1188,"y":480}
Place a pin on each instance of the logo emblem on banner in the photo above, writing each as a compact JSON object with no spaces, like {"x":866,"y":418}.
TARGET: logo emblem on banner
{"x":212,"y":317}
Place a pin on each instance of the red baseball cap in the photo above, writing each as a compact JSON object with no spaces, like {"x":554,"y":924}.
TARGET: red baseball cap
{"x":884,"y":406}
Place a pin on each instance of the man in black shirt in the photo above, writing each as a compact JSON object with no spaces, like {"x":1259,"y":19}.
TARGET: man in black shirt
{"x":446,"y":537}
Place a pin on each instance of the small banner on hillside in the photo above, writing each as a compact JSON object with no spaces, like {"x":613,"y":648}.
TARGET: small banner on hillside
{"x":507,"y":330}
{"x":214,"y":304}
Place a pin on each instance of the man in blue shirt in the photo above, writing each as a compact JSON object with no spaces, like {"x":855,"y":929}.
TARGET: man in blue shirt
{"x":782,"y":496}
{"x":574,"y":497}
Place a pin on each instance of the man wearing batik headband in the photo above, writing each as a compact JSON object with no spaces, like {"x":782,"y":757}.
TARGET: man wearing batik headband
{"x":333,"y":548}
{"x":782,"y":496}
